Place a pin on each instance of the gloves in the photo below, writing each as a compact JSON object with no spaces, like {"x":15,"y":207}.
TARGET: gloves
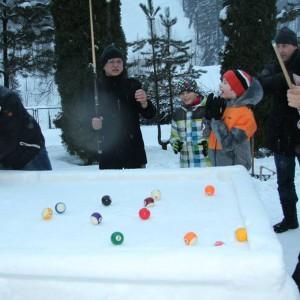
{"x":214,"y":107}
{"x":204,"y":147}
{"x":177,"y":146}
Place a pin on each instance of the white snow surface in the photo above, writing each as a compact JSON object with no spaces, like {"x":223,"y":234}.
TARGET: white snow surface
{"x":70,"y":258}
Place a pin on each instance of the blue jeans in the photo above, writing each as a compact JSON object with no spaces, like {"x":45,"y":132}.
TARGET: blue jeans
{"x":285,"y":167}
{"x":40,"y":162}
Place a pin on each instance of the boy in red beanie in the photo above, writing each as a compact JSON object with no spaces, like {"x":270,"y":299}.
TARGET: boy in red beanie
{"x":232,"y":128}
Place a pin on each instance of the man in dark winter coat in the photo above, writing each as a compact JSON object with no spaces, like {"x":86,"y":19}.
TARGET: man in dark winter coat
{"x":283,"y":134}
{"x":293,"y":95}
{"x":22,"y":145}
{"x":122,"y":101}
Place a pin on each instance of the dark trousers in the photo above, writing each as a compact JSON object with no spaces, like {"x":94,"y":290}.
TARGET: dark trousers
{"x":296,"y":274}
{"x":285,"y":167}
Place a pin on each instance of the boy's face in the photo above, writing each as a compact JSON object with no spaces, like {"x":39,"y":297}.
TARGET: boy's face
{"x":188,"y":97}
{"x":226,"y":91}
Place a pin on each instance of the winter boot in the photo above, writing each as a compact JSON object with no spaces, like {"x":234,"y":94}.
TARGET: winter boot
{"x":290,"y":220}
{"x":285,"y":225}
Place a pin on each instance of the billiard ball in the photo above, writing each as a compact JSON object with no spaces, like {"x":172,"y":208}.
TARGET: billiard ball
{"x":47,"y":213}
{"x":106,"y":200}
{"x":144,"y":213}
{"x":209,"y":190}
{"x":149,"y":202}
{"x":241,"y":234}
{"x":117,"y":238}
{"x":156,"y":195}
{"x":190,"y":238}
{"x":96,"y":218}
{"x":60,"y":207}
{"x":218,"y":243}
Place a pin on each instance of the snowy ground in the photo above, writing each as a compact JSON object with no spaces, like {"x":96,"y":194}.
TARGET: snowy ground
{"x":161,"y":159}
{"x":75,"y":260}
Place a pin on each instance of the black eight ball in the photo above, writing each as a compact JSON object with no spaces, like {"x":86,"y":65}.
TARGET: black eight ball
{"x":106,"y":200}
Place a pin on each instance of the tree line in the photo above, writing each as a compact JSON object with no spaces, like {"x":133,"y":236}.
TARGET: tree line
{"x":52,"y":37}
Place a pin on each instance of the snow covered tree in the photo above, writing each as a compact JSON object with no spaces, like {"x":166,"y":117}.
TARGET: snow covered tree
{"x":249,"y":27}
{"x":164,"y":59}
{"x":204,"y":17}
{"x":289,"y":13}
{"x":74,"y":74}
{"x":26,"y":36}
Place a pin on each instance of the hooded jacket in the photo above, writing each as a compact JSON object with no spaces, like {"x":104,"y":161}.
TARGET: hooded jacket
{"x":229,"y":141}
{"x":122,"y":142}
{"x":20,"y":135}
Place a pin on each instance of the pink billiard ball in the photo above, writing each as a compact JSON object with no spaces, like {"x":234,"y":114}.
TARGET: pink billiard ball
{"x":144,"y":213}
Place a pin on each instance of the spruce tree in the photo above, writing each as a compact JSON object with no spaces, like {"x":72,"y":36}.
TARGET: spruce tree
{"x":74,"y":73}
{"x":26,"y":35}
{"x":204,"y":17}
{"x":171,"y":58}
{"x":249,"y":27}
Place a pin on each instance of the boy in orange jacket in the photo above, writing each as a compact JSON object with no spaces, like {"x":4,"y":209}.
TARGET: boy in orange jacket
{"x":232,"y":127}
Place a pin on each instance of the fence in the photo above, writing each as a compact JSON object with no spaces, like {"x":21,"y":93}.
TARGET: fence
{"x":44,"y":115}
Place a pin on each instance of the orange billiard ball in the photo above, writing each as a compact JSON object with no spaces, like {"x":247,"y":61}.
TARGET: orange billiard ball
{"x":241,"y":234}
{"x":190,"y":238}
{"x":209,"y":190}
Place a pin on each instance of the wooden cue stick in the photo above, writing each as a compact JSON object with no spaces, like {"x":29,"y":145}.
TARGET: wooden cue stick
{"x":282,"y":65}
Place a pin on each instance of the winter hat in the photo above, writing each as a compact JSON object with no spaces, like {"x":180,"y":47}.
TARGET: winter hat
{"x":238,"y":80}
{"x":110,"y":52}
{"x":286,"y":36}
{"x":187,"y":85}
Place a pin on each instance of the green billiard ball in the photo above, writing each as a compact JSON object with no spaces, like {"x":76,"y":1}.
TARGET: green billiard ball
{"x":117,"y":238}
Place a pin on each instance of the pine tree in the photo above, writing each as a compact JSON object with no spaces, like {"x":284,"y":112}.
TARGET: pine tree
{"x":74,"y":75}
{"x":171,"y":59}
{"x":204,"y":17}
{"x":26,"y":36}
{"x":249,"y":28}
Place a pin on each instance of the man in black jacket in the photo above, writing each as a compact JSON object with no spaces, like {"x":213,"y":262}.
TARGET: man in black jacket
{"x":122,"y":101}
{"x":293,"y":95}
{"x":283,"y":134}
{"x":22,"y":145}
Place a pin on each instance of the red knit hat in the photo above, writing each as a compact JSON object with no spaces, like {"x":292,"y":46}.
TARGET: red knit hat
{"x":238,"y":80}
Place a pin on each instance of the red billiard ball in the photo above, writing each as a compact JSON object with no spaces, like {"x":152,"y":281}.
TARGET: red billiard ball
{"x":144,"y":213}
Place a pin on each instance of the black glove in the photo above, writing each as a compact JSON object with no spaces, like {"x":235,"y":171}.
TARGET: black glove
{"x":214,"y":107}
{"x":204,"y":147}
{"x":177,"y":146}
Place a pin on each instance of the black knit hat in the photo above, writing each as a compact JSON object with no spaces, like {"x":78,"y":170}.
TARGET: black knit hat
{"x":286,"y":36}
{"x":110,"y":52}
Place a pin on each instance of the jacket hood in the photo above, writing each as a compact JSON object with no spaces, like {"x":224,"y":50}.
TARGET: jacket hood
{"x":252,"y":96}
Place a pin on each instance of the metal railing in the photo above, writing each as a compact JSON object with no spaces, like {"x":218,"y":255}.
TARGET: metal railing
{"x":36,"y":112}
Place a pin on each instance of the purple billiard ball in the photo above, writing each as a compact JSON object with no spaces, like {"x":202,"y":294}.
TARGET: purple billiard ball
{"x":96,"y":218}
